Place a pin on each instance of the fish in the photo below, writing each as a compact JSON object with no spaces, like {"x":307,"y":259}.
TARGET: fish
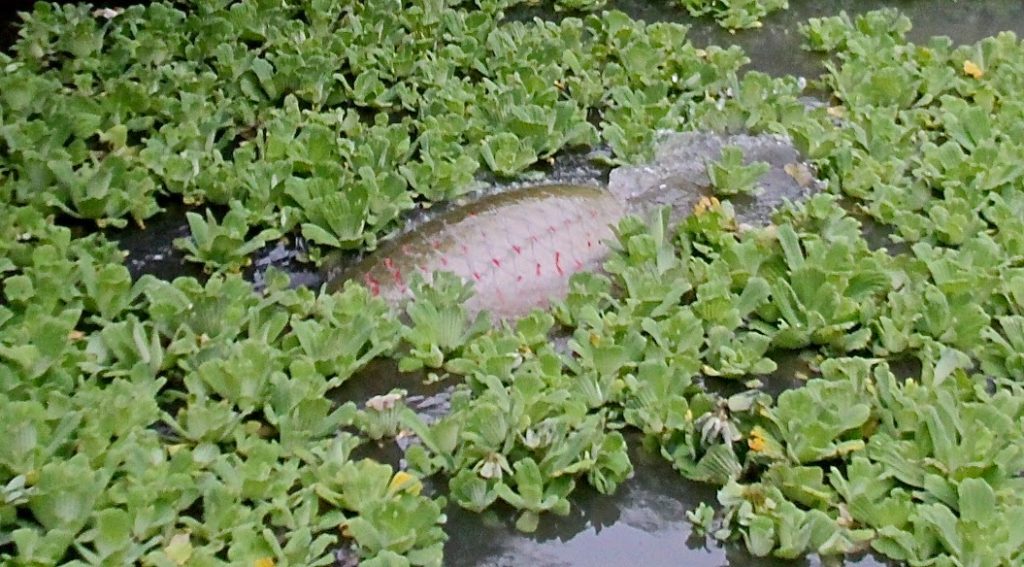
{"x":519,"y":248}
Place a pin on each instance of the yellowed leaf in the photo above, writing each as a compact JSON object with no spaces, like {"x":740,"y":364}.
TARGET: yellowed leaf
{"x":264,"y":562}
{"x":756,"y":441}
{"x":705,"y":204}
{"x":403,"y":481}
{"x":971,"y":68}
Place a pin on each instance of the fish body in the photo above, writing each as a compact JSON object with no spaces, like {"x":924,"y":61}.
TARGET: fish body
{"x":517,"y":248}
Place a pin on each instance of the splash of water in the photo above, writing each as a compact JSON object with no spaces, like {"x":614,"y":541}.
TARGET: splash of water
{"x":520,"y":248}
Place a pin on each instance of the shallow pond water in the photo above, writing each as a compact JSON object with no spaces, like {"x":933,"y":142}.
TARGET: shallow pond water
{"x":774,"y":48}
{"x":644,"y":522}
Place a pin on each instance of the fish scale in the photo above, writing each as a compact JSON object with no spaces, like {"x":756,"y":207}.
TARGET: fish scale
{"x":519,"y":249}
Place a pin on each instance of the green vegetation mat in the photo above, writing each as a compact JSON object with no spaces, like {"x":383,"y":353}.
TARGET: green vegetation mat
{"x":181,"y":422}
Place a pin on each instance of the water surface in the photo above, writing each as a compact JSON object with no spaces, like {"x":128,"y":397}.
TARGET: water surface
{"x":775,"y":47}
{"x":644,"y":522}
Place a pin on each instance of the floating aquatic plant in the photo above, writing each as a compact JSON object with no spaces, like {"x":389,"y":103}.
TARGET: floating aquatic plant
{"x":217,"y":441}
{"x":730,"y":176}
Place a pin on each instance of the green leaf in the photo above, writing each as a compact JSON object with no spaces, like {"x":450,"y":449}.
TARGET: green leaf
{"x":506,"y":155}
{"x":730,"y":176}
{"x":65,"y":493}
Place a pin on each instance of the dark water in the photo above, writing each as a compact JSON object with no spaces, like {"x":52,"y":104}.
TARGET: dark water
{"x":9,"y":10}
{"x":644,"y":522}
{"x":151,"y":251}
{"x":9,"y":19}
{"x":775,"y":47}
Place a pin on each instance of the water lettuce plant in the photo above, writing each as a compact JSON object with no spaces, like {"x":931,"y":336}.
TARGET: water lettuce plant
{"x":730,"y":14}
{"x":734,"y":14}
{"x":224,"y":244}
{"x":730,"y":176}
{"x":221,"y":438}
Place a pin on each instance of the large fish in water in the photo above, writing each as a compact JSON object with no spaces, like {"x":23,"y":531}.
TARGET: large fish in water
{"x":519,"y":248}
